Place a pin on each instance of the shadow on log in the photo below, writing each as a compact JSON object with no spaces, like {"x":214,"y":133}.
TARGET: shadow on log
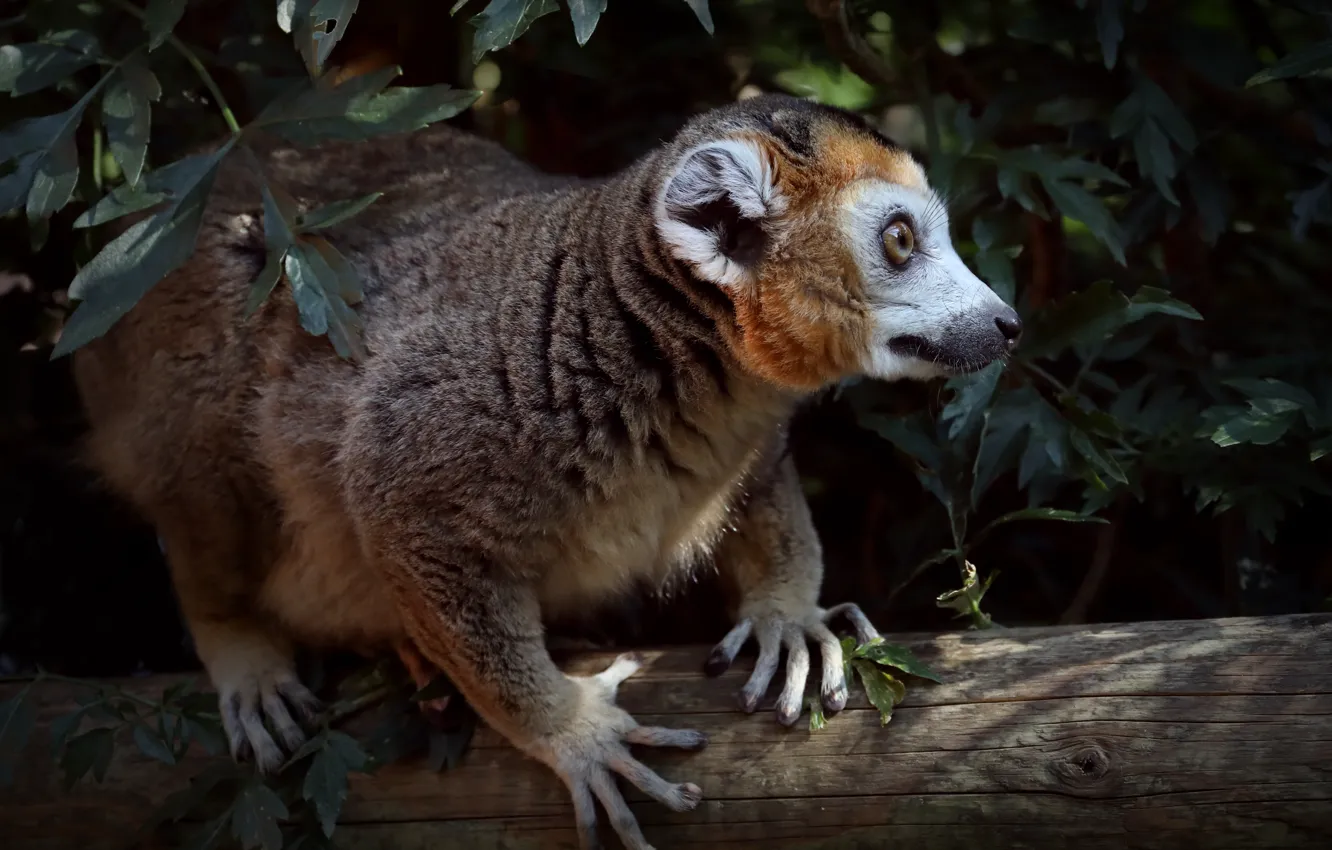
{"x":1192,"y":734}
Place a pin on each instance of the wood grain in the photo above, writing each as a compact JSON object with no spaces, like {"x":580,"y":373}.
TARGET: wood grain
{"x":1190,"y":734}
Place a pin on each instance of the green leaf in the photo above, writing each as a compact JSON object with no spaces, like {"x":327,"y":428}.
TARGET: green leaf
{"x":1110,"y":29}
{"x":320,"y":293}
{"x":966,"y":599}
{"x":90,"y":751}
{"x":127,"y":116}
{"x":1266,"y":421}
{"x":1091,"y":449}
{"x":908,"y":434}
{"x":280,"y":213}
{"x":1302,"y":63}
{"x":152,"y":745}
{"x":360,"y":108}
{"x":1079,"y":204}
{"x":54,"y":180}
{"x":1275,"y":389}
{"x":703,"y":13}
{"x":290,"y":12}
{"x":896,"y":655}
{"x":502,"y":22}
{"x":972,"y":393}
{"x":18,"y":717}
{"x":585,"y":14}
{"x":31,"y":67}
{"x":182,"y":803}
{"x":209,"y":735}
{"x":446,"y":748}
{"x":337,"y":11}
{"x":122,"y":272}
{"x":1151,"y":300}
{"x":326,"y":787}
{"x":210,"y":833}
{"x":14,"y":186}
{"x":817,"y":720}
{"x":334,"y":213}
{"x":255,"y":816}
{"x":1155,"y":158}
{"x":1320,"y":449}
{"x":64,"y":726}
{"x":48,"y":165}
{"x":1308,"y":206}
{"x":1056,"y":514}
{"x":996,"y":269}
{"x":160,"y":18}
{"x":1093,"y":315}
{"x":883,"y":691}
{"x":265,"y":282}
{"x":120,"y":201}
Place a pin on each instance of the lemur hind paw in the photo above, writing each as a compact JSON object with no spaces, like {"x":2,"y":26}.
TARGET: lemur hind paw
{"x":597,"y":746}
{"x":775,"y":626}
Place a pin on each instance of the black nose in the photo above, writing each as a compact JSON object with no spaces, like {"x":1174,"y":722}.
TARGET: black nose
{"x":1010,"y":326}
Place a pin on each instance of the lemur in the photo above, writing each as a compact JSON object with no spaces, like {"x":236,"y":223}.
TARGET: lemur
{"x":573,"y":388}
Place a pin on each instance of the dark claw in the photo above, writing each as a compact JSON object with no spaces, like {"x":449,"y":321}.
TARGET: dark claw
{"x":717,"y":663}
{"x":835,"y":700}
{"x":788,"y":717}
{"x":698,"y":744}
{"x":749,"y":701}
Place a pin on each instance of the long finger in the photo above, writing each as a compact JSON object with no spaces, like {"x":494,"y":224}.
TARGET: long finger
{"x":660,"y":736}
{"x":267,"y":755}
{"x":617,"y":811}
{"x":585,"y":815}
{"x":833,"y":688}
{"x":678,"y":798}
{"x":287,"y":729}
{"x":757,"y":686}
{"x":723,"y":654}
{"x":865,"y":631}
{"x":797,"y":671}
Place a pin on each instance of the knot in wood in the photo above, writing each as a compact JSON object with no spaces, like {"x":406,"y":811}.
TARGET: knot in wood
{"x":1086,"y":767}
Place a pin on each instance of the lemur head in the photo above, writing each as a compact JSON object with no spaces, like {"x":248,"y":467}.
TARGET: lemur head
{"x":831,"y":245}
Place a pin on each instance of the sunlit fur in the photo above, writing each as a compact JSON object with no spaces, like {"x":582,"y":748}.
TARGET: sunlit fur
{"x":824,"y":302}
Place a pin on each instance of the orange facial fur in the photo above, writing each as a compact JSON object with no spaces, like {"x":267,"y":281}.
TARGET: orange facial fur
{"x":805,"y":321}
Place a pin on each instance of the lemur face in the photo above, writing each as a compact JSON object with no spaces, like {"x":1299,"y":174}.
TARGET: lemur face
{"x":832,"y":247}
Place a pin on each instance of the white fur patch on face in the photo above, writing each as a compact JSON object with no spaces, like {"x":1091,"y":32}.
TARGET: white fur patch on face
{"x":932,"y":316}
{"x":733,"y":170}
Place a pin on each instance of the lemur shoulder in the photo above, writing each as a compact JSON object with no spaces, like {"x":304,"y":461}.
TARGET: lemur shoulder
{"x":574,"y":388}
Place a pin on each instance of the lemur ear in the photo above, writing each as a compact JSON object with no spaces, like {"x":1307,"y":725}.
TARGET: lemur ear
{"x":714,"y":206}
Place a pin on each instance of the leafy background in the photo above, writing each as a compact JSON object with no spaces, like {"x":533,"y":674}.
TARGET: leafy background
{"x":1149,"y":183}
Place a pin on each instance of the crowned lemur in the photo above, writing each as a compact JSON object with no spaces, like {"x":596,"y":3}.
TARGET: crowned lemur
{"x":573,"y":388}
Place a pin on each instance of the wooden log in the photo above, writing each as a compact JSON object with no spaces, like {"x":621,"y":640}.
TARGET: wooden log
{"x":1195,"y":734}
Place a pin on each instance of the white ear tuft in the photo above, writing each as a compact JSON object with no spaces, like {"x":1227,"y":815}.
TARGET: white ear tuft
{"x":712,"y":210}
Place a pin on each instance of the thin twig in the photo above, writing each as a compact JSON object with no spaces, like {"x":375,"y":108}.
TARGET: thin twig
{"x":191,"y":57}
{"x":850,"y":47}
{"x":1076,"y":613}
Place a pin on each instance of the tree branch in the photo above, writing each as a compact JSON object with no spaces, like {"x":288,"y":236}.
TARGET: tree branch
{"x":849,"y":47}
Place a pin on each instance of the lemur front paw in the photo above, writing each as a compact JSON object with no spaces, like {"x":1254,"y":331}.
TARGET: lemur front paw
{"x":776,"y":625}
{"x":597,"y":745}
{"x":258,"y":703}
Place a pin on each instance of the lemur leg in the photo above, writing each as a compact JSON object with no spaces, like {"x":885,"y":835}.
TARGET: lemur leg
{"x":775,"y":562}
{"x":422,"y":673}
{"x":485,"y":632}
{"x":250,"y":663}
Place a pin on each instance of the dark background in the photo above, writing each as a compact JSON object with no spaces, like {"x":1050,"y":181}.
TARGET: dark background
{"x":83,"y":588}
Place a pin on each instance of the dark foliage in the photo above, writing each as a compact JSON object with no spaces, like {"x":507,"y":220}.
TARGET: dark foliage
{"x":1150,"y":184}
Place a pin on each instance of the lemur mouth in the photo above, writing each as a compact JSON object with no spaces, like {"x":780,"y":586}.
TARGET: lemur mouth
{"x":922,"y":349}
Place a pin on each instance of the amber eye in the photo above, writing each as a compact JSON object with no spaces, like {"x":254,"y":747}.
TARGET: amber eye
{"x":898,"y":242}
